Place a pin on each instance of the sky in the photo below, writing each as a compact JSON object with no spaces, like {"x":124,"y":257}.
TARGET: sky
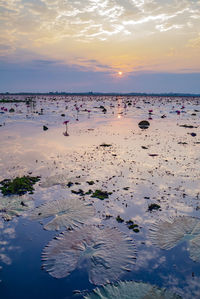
{"x":80,"y":46}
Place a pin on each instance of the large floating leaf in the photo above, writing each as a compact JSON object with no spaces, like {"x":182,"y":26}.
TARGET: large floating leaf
{"x":167,"y":234}
{"x":68,"y":213}
{"x":58,"y":179}
{"x":130,"y":290}
{"x":11,"y":206}
{"x":106,"y":253}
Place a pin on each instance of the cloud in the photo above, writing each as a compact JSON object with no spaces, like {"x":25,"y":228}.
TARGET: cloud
{"x":117,"y":34}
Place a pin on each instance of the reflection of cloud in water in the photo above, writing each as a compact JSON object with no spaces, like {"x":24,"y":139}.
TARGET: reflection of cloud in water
{"x":146,"y":256}
{"x":190,"y":288}
{"x":7,"y":232}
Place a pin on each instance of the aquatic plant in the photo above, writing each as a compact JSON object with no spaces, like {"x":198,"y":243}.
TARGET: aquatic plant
{"x":167,"y":234}
{"x":105,"y":252}
{"x":14,"y":206}
{"x":119,"y":219}
{"x":19,"y":185}
{"x":130,"y":290}
{"x":144,"y":124}
{"x":66,"y":212}
{"x":65,"y":123}
{"x":101,"y":194}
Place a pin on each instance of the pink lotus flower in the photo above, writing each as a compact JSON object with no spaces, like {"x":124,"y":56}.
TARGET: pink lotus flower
{"x":150,"y":111}
{"x":178,"y":112}
{"x":65,"y":122}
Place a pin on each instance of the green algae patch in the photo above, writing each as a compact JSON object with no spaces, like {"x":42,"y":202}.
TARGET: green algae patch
{"x":133,"y":226}
{"x":119,"y":219}
{"x":19,"y":185}
{"x":101,"y":194}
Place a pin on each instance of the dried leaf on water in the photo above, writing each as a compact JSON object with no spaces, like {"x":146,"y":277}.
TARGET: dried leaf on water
{"x":130,"y":290}
{"x":66,"y":212}
{"x":105,"y":252}
{"x":167,"y":234}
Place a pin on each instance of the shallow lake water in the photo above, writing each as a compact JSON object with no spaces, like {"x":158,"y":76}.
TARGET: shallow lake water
{"x":103,"y":148}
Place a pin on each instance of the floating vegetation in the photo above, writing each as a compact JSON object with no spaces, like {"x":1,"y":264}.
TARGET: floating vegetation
{"x":69,"y":213}
{"x":105,"y":252}
{"x":101,"y":194}
{"x":79,"y":192}
{"x":19,"y":185}
{"x":45,"y":128}
{"x":153,"y":206}
{"x":90,"y":182}
{"x":167,"y":234}
{"x":130,"y":290}
{"x":14,"y":206}
{"x":119,"y":219}
{"x":144,"y":124}
{"x":133,"y":226}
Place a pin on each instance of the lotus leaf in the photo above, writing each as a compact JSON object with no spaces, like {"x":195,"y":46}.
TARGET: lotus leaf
{"x":167,"y":234}
{"x":12,"y":206}
{"x":105,"y":252}
{"x":68,"y":213}
{"x":130,"y":290}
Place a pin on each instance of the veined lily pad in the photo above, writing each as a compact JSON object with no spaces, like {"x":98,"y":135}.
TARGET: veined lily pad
{"x":130,"y":290}
{"x":58,"y":179}
{"x":12,"y":206}
{"x":105,"y":252}
{"x":167,"y":234}
{"x":68,"y":213}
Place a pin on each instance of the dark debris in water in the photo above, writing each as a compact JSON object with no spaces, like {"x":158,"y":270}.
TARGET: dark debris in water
{"x":105,"y":145}
{"x":187,"y":126}
{"x":153,"y":206}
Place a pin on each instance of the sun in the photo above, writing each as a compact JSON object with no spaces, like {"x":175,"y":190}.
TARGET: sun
{"x":120,"y":73}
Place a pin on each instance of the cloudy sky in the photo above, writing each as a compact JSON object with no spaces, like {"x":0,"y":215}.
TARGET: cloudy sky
{"x":69,"y":45}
